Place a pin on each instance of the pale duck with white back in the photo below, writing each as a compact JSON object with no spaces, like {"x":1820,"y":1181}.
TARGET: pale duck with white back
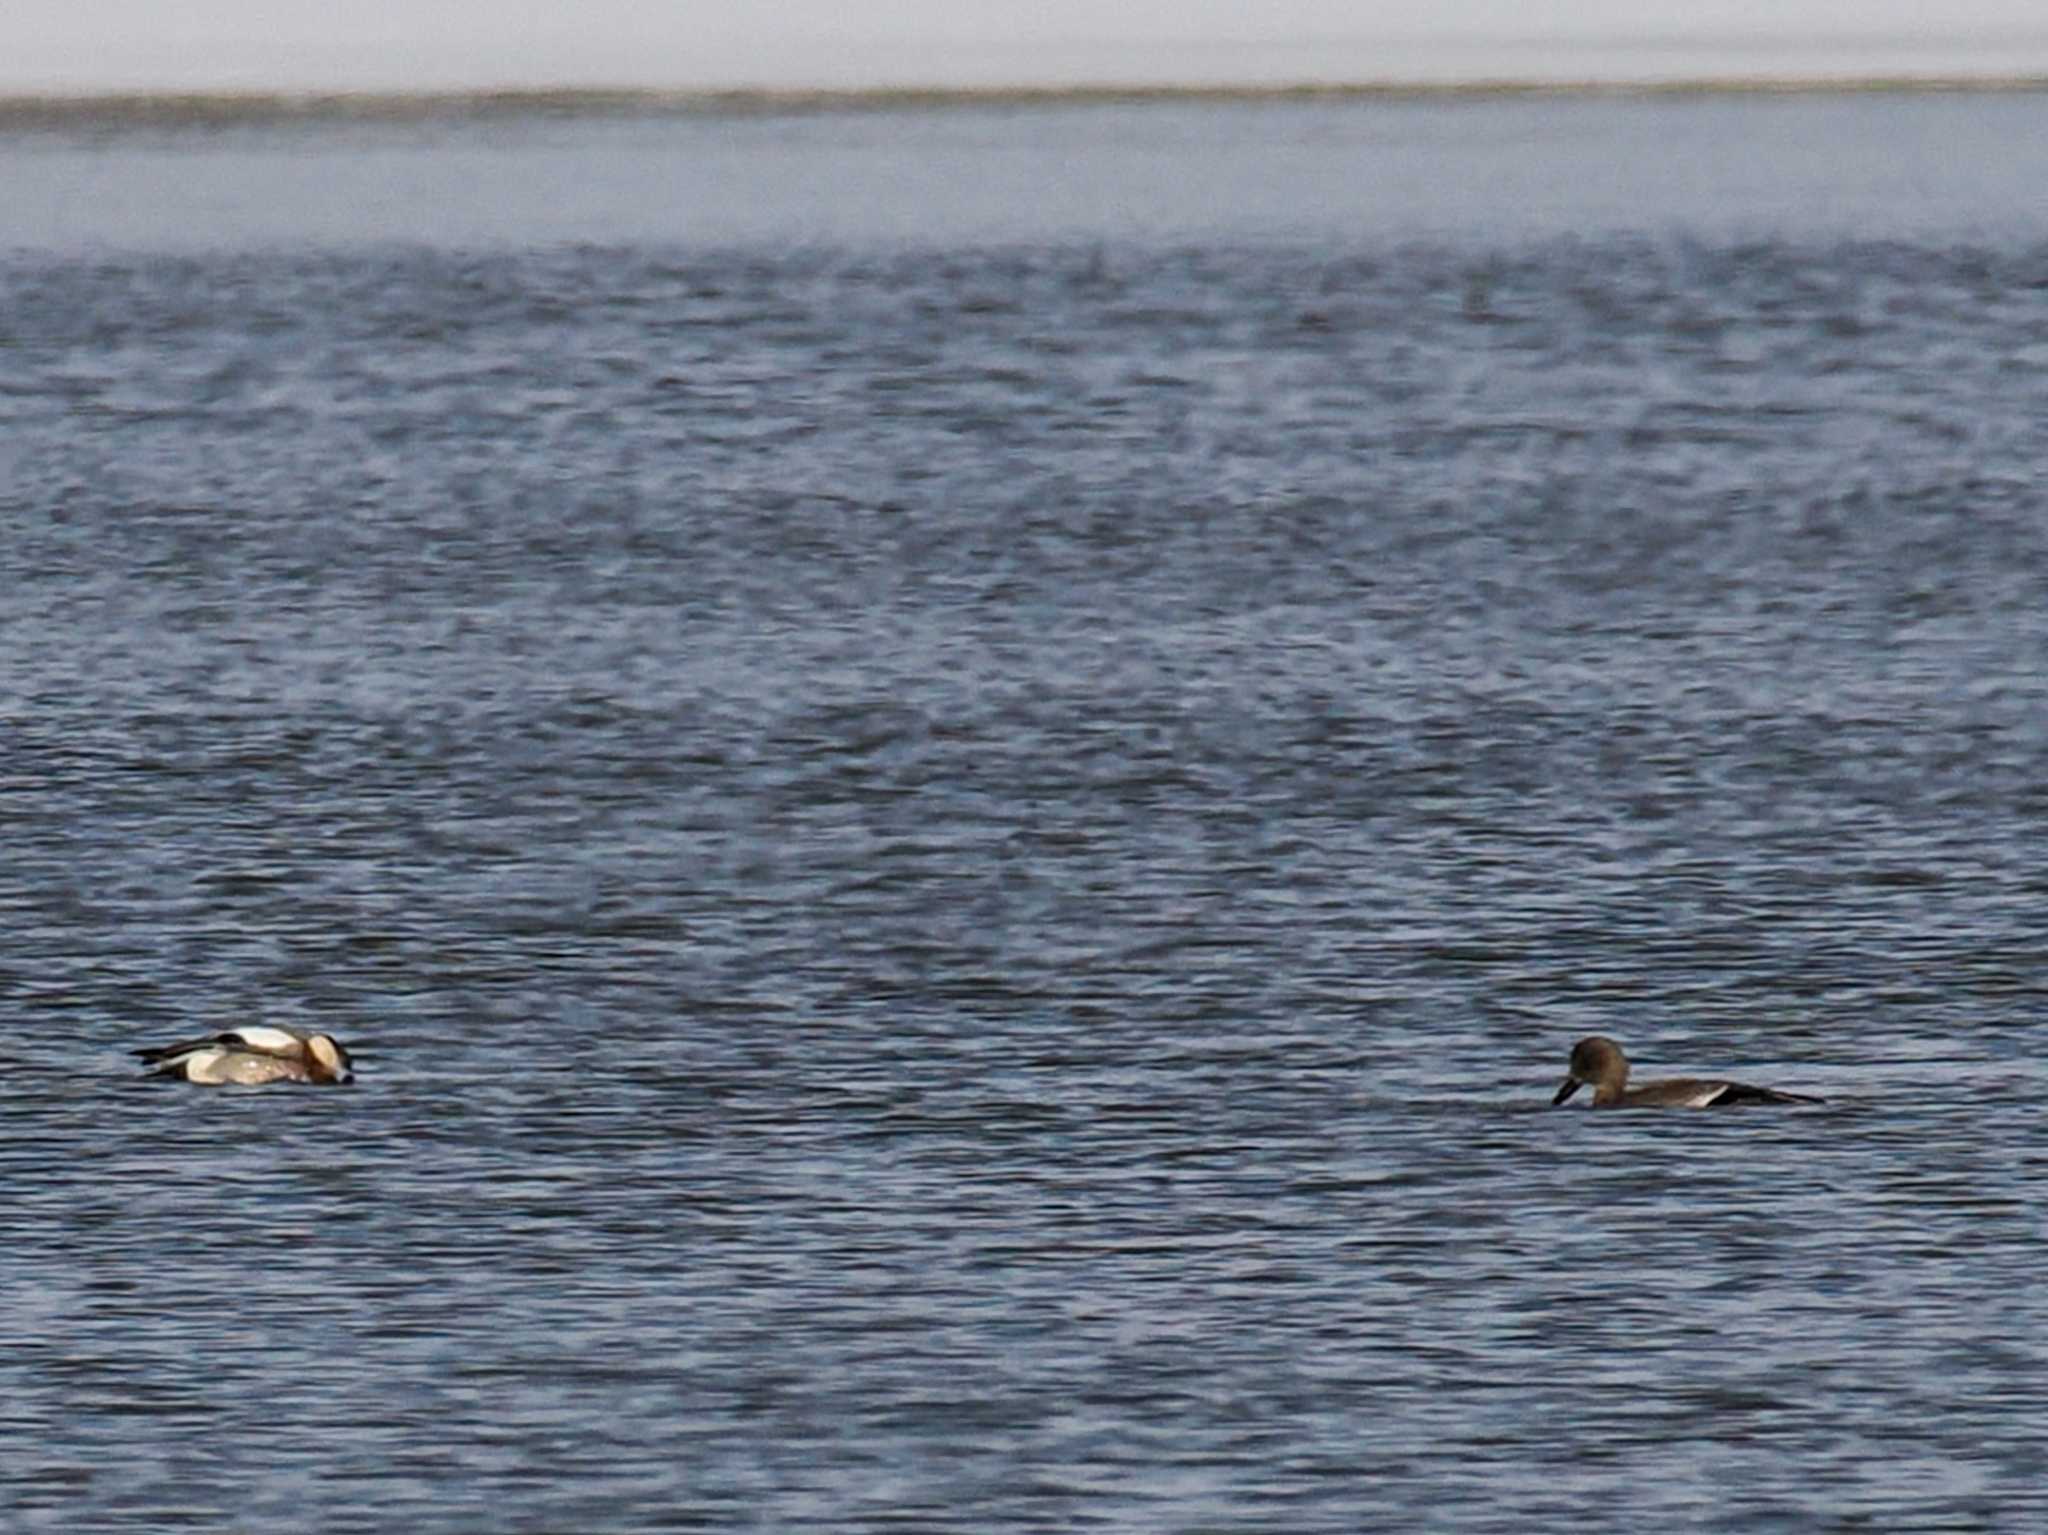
{"x":253,"y":1055}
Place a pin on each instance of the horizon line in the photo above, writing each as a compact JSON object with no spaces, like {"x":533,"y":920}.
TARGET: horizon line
{"x":56,"y":108}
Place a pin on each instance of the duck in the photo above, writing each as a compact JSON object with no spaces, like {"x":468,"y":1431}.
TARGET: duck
{"x":1600,"y":1061}
{"x":253,"y":1055}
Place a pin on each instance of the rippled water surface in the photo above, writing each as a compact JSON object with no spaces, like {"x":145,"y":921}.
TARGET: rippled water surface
{"x":960,"y":870}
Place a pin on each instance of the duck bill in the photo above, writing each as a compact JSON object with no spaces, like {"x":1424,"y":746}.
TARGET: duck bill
{"x":1571,"y":1085}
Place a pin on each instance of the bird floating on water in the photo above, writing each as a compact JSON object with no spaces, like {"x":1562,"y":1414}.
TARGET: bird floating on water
{"x":1600,"y":1061}
{"x":252,"y":1056}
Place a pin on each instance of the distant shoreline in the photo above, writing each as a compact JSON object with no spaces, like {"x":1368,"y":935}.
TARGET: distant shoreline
{"x":145,"y":109}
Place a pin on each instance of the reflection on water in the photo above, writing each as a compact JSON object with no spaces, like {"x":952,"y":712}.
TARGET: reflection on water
{"x":959,"y":875}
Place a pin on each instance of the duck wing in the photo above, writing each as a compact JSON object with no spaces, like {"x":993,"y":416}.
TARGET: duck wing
{"x":259,"y":1038}
{"x":185,"y":1046}
{"x":1733,"y":1093}
{"x":267,"y":1038}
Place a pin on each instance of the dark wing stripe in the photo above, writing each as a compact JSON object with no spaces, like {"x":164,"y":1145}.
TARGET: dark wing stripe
{"x":165,"y":1052}
{"x":1741,"y":1092}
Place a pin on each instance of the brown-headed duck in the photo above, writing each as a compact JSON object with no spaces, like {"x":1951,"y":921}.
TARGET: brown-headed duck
{"x":1600,"y":1062}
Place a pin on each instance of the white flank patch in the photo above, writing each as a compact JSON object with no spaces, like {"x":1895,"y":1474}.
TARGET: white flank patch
{"x":200,"y":1065}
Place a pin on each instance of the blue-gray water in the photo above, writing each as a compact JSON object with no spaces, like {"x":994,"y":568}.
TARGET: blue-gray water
{"x":961,"y":858}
